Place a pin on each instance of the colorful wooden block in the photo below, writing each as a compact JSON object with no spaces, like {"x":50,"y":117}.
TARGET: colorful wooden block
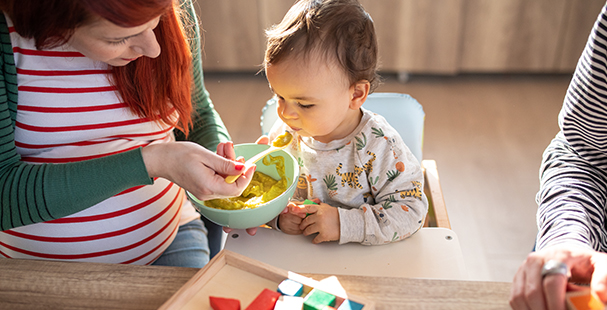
{"x":221,"y":303}
{"x":289,"y":303}
{"x":583,"y":300}
{"x":317,"y":300}
{"x":290,"y":288}
{"x":350,"y":305}
{"x":266,"y":300}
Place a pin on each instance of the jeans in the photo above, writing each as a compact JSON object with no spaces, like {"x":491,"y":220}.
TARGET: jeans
{"x":215,"y":236}
{"x":190,"y":248}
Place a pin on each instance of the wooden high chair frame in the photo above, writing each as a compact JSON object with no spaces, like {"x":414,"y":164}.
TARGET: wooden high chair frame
{"x":437,"y":210}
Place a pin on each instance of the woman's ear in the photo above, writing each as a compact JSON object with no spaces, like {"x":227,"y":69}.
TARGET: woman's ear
{"x":359,"y":92}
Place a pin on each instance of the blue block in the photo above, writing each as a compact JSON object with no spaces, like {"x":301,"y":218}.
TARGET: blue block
{"x":350,"y":305}
{"x":289,"y":287}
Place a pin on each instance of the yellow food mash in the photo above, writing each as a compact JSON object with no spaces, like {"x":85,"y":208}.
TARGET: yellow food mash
{"x":283,"y":140}
{"x":262,"y":188}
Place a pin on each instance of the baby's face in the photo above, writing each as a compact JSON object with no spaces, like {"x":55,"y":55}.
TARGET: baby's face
{"x":314,"y":97}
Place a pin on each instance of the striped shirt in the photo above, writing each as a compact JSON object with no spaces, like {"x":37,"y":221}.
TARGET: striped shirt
{"x":68,"y":112}
{"x":573,"y":191}
{"x":94,"y":207}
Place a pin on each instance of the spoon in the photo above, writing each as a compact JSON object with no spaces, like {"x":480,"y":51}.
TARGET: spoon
{"x":279,"y":143}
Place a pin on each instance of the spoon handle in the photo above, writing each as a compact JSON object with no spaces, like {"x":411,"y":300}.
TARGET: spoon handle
{"x":232,"y":178}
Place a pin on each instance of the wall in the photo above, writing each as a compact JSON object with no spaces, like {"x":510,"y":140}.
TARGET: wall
{"x":423,"y":36}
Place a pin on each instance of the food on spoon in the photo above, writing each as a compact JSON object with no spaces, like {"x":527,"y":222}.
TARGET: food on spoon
{"x":283,"y":140}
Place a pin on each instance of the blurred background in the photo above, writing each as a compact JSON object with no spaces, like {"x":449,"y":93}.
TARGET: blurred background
{"x":490,"y":74}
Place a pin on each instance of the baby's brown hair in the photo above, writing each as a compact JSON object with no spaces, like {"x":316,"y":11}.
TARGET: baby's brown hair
{"x":338,"y":29}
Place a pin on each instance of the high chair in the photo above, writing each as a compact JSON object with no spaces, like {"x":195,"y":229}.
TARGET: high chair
{"x":407,"y":116}
{"x":432,"y":252}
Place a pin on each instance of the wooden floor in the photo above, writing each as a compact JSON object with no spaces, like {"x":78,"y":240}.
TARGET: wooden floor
{"x":487,"y":135}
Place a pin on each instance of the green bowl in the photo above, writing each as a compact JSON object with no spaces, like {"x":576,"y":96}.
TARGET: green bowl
{"x":246,"y":218}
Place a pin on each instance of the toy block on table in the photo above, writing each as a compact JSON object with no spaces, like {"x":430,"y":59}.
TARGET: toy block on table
{"x":221,"y":303}
{"x":266,"y":300}
{"x":350,"y":305}
{"x":290,"y":288}
{"x":583,"y":300}
{"x":317,"y":300}
{"x":289,"y":303}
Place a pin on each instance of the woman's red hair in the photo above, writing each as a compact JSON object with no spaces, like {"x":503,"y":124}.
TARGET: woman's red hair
{"x":153,"y":88}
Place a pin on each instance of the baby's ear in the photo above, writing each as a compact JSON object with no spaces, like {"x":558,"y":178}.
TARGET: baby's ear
{"x":359,"y":92}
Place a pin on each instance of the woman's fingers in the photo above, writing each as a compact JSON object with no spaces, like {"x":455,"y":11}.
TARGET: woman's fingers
{"x":517,"y":295}
{"x":263,"y":140}
{"x":554,"y":288}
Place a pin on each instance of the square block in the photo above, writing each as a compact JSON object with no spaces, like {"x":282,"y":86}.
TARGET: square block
{"x":317,"y":300}
{"x":290,"y":288}
{"x":289,"y":303}
{"x":583,"y":300}
{"x":350,"y":305}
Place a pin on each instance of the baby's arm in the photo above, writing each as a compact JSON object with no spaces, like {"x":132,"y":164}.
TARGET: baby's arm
{"x":400,"y":205}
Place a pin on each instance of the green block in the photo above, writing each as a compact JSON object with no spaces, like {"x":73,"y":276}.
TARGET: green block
{"x":317,"y":300}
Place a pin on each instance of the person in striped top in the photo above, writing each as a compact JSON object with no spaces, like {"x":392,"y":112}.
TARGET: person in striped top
{"x":572,"y":236}
{"x":104,"y":124}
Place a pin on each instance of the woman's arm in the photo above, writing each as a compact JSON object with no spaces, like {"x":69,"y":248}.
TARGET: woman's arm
{"x":207,"y":129}
{"x":573,"y":189}
{"x":35,"y":193}
{"x":571,"y":200}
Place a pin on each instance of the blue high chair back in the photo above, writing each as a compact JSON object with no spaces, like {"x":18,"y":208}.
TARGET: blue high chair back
{"x":401,"y":111}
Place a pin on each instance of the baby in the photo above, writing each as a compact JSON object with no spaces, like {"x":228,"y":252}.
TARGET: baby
{"x":365,"y":184}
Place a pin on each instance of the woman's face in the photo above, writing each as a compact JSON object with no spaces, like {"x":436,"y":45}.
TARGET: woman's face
{"x":117,"y":46}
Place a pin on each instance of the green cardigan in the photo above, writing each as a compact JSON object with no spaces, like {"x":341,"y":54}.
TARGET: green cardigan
{"x":31,"y":193}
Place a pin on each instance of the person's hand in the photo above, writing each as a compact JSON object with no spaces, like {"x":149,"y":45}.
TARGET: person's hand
{"x":263,"y":140}
{"x":321,"y":218}
{"x":227,"y":149}
{"x":532,"y":291}
{"x":196,"y":169}
{"x":289,"y":221}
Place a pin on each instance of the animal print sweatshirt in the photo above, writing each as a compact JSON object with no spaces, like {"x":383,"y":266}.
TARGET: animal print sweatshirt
{"x":370,"y":175}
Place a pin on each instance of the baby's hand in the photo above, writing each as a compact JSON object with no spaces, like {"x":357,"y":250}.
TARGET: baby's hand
{"x":289,"y":221}
{"x":322,"y":219}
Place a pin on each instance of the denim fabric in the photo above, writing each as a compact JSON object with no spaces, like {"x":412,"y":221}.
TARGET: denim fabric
{"x":215,"y":236}
{"x":190,"y":248}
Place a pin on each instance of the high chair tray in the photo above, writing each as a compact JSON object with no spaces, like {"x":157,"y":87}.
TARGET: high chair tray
{"x":429,"y":253}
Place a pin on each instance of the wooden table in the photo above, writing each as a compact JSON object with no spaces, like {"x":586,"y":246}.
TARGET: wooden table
{"x":31,"y":284}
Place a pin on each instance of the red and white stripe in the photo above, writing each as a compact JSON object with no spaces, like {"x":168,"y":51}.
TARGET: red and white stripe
{"x":68,"y":111}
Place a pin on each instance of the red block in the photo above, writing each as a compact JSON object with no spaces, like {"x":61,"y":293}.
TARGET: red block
{"x":220,"y":303}
{"x":266,"y":300}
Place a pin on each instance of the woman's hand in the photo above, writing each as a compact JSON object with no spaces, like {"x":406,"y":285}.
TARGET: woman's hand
{"x":532,"y":291}
{"x":226,"y":149}
{"x":263,"y":140}
{"x":196,"y":169}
